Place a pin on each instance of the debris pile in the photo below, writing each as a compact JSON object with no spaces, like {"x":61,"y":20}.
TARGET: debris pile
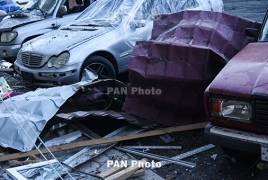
{"x":108,"y":160}
{"x":168,"y":75}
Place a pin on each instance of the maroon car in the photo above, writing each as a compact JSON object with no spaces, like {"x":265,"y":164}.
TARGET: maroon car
{"x":236,"y":101}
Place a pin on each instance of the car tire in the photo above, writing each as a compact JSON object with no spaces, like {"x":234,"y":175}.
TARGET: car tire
{"x":239,"y":155}
{"x":100,"y":66}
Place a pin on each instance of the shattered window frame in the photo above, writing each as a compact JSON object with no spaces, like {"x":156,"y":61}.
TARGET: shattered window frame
{"x":16,"y":172}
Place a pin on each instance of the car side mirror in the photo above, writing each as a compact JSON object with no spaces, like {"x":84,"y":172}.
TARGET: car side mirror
{"x":252,"y":32}
{"x":137,"y":24}
{"x":63,"y":10}
{"x":2,"y":13}
{"x":80,"y":2}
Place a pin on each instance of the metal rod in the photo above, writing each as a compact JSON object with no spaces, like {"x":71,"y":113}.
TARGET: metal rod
{"x":152,"y":147}
{"x":189,"y":153}
{"x":6,"y":69}
{"x":157,"y":157}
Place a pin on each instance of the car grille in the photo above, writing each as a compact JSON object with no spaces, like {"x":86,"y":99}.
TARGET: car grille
{"x":31,"y":60}
{"x":261,"y":111}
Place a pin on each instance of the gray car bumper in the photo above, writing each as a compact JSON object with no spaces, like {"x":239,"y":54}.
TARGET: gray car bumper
{"x":45,"y":76}
{"x":9,"y":52}
{"x":240,"y":140}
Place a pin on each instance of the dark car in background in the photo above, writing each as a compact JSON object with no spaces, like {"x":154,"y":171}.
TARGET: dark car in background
{"x":9,"y":5}
{"x":37,"y":17}
{"x":236,"y":101}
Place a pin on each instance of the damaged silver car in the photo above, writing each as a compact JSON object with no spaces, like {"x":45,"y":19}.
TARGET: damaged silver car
{"x":101,"y":40}
{"x":36,"y":18}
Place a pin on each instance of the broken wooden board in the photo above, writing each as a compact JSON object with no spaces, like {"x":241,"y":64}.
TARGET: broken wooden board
{"x":126,"y":173}
{"x":170,"y":177}
{"x":111,"y":171}
{"x":114,"y":170}
{"x":137,"y":173}
{"x":105,"y":140}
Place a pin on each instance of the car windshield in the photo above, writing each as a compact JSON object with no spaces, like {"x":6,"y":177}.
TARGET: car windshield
{"x":40,"y":7}
{"x":106,"y":11}
{"x":113,"y":12}
{"x":264,"y":32}
{"x":134,"y":18}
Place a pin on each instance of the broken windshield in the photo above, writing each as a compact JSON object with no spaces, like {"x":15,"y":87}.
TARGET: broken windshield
{"x":41,"y":7}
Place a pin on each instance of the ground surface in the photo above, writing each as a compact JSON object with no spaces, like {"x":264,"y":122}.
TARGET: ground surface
{"x":222,"y":167}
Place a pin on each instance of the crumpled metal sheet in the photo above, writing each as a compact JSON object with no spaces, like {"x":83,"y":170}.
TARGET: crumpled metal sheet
{"x":38,"y":107}
{"x":123,"y":13}
{"x":109,"y":113}
{"x":186,"y":52}
{"x":145,"y":124}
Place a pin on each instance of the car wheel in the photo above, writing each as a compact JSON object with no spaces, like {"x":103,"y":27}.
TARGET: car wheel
{"x":100,"y":66}
{"x":239,"y":155}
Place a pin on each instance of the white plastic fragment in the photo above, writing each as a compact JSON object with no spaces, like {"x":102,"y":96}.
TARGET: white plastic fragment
{"x":214,"y":156}
{"x":166,"y":138}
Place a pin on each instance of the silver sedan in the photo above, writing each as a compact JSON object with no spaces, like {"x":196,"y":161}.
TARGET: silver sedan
{"x":101,"y":40}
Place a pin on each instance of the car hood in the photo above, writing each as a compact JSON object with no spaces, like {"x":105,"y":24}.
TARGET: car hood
{"x":10,"y":23}
{"x":57,"y":41}
{"x":245,"y":74}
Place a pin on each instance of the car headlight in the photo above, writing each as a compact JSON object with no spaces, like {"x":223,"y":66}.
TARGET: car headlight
{"x":237,"y":110}
{"x":19,"y":55}
{"x":8,"y":36}
{"x":58,"y":61}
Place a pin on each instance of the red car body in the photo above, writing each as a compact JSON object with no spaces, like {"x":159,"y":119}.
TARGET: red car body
{"x":236,"y":101}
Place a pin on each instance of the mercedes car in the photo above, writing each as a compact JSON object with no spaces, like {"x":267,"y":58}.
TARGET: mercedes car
{"x":101,"y":40}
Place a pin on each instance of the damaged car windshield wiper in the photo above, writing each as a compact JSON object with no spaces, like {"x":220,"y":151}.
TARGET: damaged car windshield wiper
{"x":79,"y":29}
{"x":93,"y":25}
{"x":38,"y":8}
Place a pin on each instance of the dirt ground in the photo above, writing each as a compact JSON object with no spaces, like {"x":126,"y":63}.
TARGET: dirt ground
{"x":211,"y":164}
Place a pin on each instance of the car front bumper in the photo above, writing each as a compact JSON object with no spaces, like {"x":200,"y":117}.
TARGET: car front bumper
{"x":9,"y":52}
{"x":239,"y":140}
{"x":45,"y":76}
